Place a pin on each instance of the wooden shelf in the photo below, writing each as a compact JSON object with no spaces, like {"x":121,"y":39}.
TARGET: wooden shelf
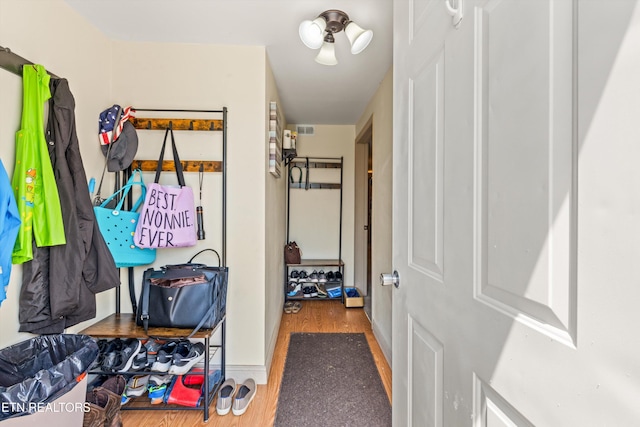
{"x":177,"y":124}
{"x":318,"y":263}
{"x":170,"y":165}
{"x":123,"y":325}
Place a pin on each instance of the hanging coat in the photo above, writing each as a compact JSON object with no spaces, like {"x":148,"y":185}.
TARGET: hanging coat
{"x":60,"y":284}
{"x":33,"y":181}
{"x":9,"y":224}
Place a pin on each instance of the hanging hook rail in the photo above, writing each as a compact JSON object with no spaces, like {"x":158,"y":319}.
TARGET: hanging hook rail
{"x":13,"y":62}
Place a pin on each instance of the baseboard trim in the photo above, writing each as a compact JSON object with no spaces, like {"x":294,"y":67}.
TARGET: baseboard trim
{"x":385,"y":345}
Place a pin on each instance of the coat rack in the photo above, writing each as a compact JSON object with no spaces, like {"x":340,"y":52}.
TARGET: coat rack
{"x":13,"y":62}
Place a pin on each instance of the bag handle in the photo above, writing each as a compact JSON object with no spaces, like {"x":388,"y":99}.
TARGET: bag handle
{"x":125,"y":190}
{"x":176,"y":158}
{"x":204,"y":250}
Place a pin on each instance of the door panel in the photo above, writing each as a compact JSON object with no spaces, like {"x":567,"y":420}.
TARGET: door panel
{"x":524,"y":238}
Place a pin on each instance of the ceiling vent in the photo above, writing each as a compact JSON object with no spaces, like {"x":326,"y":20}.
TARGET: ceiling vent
{"x":305,"y":129}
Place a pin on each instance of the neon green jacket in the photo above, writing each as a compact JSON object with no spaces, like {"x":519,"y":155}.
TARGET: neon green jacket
{"x":33,"y":181}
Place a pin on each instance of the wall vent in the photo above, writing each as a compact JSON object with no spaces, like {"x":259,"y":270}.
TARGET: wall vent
{"x":305,"y":129}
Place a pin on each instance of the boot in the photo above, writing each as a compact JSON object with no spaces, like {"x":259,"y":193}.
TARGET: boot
{"x":96,"y":416}
{"x":112,"y":389}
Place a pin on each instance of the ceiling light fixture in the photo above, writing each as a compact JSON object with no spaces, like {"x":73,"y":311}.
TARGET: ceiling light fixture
{"x":312,"y":34}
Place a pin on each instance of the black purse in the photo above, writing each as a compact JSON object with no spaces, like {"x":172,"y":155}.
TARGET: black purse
{"x":187,"y":295}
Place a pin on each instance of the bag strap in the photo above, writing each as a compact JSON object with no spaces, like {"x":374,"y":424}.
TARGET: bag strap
{"x":125,"y":190}
{"x":176,"y":158}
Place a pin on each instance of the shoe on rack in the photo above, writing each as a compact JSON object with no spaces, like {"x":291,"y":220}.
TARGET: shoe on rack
{"x":322,"y":278}
{"x":110,"y":359}
{"x":295,"y":291}
{"x":303,"y":277}
{"x":306,"y":291}
{"x":141,"y":360}
{"x":186,"y":357}
{"x":313,"y":277}
{"x":293,"y":277}
{"x":164,"y":357}
{"x":152,"y":346}
{"x":243,"y":397}
{"x":330,"y":276}
{"x":338,"y":276}
{"x":136,"y":387}
{"x":130,"y":349}
{"x":225,"y":397}
{"x":157,"y":388}
{"x":321,"y":291}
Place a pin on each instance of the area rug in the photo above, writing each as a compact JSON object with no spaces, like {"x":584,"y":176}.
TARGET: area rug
{"x":330,"y":379}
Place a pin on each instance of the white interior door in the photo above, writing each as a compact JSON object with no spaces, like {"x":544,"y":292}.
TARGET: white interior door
{"x":488,"y":329}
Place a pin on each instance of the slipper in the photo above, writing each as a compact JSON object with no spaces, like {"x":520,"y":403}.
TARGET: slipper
{"x":288,"y":307}
{"x":225,"y":396}
{"x":244,"y":396}
{"x":297,"y":306}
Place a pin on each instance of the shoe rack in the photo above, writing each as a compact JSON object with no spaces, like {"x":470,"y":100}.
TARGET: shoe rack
{"x":299,"y":179}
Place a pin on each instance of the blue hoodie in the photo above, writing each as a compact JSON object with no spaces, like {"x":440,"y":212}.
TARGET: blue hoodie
{"x":9,"y":225}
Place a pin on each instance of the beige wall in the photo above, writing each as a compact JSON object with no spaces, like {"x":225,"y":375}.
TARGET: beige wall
{"x":168,"y":76}
{"x":52,"y":34}
{"x":192,"y":76}
{"x":275,"y":192}
{"x":381,"y":111}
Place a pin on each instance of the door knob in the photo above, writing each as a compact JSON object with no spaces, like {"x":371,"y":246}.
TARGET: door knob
{"x":387,"y":279}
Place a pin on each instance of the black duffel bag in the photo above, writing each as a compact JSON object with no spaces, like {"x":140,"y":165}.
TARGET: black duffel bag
{"x":187,"y":295}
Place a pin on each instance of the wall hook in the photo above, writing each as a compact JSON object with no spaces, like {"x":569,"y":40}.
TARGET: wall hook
{"x":456,"y":13}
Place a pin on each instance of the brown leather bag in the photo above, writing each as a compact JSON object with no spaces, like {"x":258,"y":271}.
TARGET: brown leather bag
{"x":292,"y":253}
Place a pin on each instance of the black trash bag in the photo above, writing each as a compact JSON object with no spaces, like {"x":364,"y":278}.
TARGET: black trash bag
{"x":42,"y":369}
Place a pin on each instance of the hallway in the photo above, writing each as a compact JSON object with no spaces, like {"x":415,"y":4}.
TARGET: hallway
{"x":315,"y":316}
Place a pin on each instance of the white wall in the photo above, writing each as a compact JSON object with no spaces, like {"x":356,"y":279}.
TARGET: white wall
{"x":381,"y":111}
{"x":52,"y":34}
{"x":314,"y":215}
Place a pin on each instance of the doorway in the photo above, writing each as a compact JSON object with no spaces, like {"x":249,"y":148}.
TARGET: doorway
{"x":363,"y":212}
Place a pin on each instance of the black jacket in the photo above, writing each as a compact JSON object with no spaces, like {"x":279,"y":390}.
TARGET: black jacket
{"x":60,"y":283}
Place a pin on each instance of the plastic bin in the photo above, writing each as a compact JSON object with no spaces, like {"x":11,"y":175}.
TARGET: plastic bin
{"x":43,"y":380}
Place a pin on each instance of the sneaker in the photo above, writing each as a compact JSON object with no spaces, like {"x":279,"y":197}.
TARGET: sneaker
{"x":295,"y":291}
{"x":186,"y":357}
{"x":338,"y":276}
{"x":156,"y":393}
{"x":330,"y":276}
{"x":140,"y":361}
{"x":136,"y":386}
{"x":110,"y":359}
{"x":157,"y":387}
{"x":309,"y":291}
{"x":322,"y":278}
{"x":293,"y":277}
{"x":130,"y":349}
{"x":303,"y":277}
{"x":152,"y":346}
{"x":314,"y":276}
{"x":164,"y":357}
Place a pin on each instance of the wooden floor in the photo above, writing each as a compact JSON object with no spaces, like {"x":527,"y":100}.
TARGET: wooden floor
{"x":315,"y":316}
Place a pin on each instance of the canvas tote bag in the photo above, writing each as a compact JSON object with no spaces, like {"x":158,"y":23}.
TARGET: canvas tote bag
{"x":168,"y":216}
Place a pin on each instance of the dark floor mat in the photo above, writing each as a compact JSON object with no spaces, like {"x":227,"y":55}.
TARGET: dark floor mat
{"x":330,"y":379}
